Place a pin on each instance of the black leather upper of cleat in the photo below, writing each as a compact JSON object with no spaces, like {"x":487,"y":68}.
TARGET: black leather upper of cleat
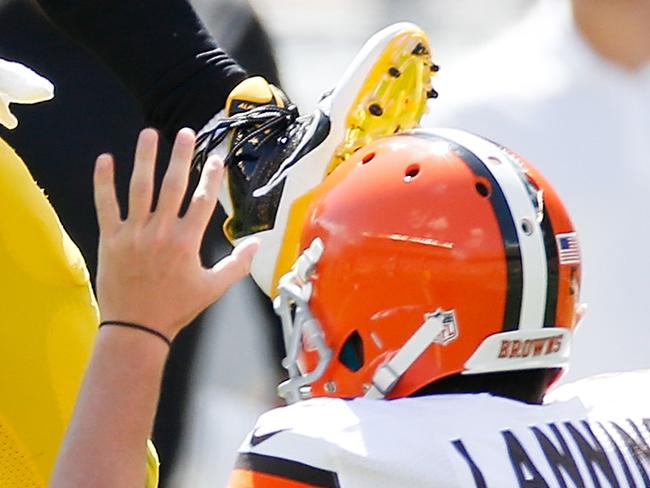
{"x":267,"y":141}
{"x":260,"y":162}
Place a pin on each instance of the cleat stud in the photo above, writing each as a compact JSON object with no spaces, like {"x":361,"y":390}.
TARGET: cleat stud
{"x":432,"y":93}
{"x":375,"y":109}
{"x":394,"y":72}
{"x":419,"y":49}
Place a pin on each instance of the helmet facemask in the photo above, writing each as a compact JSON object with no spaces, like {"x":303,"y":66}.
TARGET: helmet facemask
{"x":299,"y":326}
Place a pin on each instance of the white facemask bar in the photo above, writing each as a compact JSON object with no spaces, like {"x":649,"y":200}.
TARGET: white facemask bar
{"x":299,"y":325}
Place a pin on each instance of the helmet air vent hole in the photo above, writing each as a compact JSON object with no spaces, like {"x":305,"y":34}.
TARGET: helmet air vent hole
{"x":527,"y":227}
{"x":367,"y":158}
{"x":351,"y":355}
{"x":411,"y":172}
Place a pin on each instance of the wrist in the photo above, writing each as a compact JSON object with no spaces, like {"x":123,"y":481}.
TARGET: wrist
{"x":125,"y":343}
{"x":138,"y":327}
{"x":151,"y":316}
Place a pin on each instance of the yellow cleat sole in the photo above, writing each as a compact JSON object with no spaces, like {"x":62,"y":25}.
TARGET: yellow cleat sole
{"x":394,"y":95}
{"x":392,"y":98}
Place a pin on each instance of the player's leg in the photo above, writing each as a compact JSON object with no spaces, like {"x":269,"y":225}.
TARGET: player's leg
{"x":160,"y":51}
{"x":274,"y":156}
{"x":182,"y":78}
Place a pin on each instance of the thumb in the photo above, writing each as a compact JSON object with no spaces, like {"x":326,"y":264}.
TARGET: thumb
{"x":232,"y":268}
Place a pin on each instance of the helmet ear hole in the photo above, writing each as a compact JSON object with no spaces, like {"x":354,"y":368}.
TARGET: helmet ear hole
{"x":351,"y":355}
{"x":483,"y":187}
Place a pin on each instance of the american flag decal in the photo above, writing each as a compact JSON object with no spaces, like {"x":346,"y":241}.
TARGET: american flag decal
{"x":567,"y":247}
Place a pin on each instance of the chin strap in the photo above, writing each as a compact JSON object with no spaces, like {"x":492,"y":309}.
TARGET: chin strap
{"x":438,"y":327}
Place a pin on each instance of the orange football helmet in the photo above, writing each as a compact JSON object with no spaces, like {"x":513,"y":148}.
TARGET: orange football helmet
{"x":428,"y":254}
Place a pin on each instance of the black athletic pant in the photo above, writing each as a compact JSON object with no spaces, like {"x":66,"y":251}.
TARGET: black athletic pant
{"x":160,"y":51}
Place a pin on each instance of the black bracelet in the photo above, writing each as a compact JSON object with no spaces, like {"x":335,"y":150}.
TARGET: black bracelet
{"x":131,"y":325}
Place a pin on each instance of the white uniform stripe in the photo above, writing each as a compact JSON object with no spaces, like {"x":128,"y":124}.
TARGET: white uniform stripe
{"x":533,"y":254}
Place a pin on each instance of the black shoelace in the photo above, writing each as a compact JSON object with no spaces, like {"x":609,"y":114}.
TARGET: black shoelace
{"x":268,"y":120}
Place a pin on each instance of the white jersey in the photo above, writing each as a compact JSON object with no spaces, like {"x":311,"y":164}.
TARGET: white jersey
{"x":595,"y":433}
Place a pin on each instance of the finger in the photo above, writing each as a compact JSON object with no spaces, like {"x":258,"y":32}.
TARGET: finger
{"x":106,"y":204}
{"x":141,"y":186}
{"x":232,"y":268}
{"x":175,"y":181}
{"x":205,"y":197}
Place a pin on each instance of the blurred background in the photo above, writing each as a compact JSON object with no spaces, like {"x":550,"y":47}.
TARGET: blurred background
{"x":517,"y":71}
{"x":316,"y":39}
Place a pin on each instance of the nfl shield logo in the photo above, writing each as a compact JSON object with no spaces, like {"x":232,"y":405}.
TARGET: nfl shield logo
{"x":447,"y":319}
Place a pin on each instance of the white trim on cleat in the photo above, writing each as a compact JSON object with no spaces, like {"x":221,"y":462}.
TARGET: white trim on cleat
{"x":288,"y":163}
{"x":308,"y":172}
{"x":356,"y":74}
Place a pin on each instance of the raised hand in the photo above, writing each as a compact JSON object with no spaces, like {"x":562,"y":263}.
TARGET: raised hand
{"x":149,"y":270}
